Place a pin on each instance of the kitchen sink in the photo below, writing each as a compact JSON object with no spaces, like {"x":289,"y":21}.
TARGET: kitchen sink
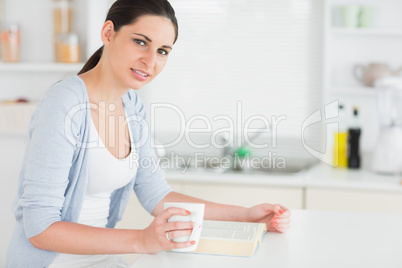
{"x":290,"y":167}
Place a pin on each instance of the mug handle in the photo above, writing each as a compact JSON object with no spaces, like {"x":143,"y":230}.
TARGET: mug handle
{"x":359,"y":75}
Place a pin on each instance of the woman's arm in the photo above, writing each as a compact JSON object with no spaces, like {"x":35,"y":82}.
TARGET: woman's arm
{"x":213,"y":211}
{"x":277,"y":217}
{"x":74,"y":238}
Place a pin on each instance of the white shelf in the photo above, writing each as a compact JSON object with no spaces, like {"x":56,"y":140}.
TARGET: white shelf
{"x":366,"y":31}
{"x":353,"y":90}
{"x":40,"y":67}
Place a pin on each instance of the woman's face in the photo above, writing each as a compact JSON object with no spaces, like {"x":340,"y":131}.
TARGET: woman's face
{"x":139,"y":51}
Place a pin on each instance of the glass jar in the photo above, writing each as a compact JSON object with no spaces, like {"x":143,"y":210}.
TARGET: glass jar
{"x":10,"y":42}
{"x":62,"y":21}
{"x":69,"y":48}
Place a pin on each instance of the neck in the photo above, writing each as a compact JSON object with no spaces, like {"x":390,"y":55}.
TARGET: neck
{"x":103,"y":86}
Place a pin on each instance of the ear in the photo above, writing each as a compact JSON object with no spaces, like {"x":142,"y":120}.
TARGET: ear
{"x":107,"y":32}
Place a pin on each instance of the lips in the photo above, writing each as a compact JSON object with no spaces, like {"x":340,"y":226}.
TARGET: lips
{"x":140,"y":74}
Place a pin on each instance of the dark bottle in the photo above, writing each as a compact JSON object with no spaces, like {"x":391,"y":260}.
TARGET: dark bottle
{"x":354,"y":133}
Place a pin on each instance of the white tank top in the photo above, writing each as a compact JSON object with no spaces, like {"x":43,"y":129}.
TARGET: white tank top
{"x":106,"y":173}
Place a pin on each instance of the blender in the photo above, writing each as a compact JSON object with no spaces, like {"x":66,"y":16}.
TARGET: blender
{"x":387,"y":156}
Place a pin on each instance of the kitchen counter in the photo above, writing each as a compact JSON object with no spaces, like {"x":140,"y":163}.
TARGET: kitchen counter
{"x":319,"y":176}
{"x":316,"y":239}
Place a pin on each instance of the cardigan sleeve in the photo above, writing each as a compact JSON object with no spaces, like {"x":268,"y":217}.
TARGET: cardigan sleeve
{"x":150,"y":184}
{"x":48,"y":158}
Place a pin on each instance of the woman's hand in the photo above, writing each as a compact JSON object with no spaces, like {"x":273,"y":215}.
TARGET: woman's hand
{"x":277,"y":217}
{"x":157,"y":236}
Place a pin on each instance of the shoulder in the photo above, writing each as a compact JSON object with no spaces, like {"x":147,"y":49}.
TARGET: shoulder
{"x":62,"y":98}
{"x":70,"y":90}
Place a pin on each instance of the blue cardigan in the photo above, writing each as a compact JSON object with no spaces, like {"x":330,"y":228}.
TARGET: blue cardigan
{"x":54,"y":173}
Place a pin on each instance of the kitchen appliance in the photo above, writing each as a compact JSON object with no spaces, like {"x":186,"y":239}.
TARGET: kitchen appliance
{"x":387,"y":157}
{"x":368,"y":74}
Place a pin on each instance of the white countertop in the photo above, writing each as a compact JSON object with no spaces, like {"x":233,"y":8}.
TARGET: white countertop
{"x":316,"y":239}
{"x":319,"y":176}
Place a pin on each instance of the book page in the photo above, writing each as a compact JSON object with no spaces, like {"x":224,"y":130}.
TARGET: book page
{"x":225,"y":230}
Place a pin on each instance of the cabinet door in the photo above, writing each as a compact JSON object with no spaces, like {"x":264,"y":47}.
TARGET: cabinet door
{"x":353,"y":200}
{"x":244,"y":195}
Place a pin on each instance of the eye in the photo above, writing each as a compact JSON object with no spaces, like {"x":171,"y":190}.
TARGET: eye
{"x":162,"y":51}
{"x":140,"y":42}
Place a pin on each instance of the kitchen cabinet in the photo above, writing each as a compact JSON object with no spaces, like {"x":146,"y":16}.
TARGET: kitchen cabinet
{"x":328,"y":188}
{"x":353,"y":200}
{"x":245,"y":195}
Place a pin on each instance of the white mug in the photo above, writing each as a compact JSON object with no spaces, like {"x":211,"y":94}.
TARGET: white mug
{"x":196,"y":216}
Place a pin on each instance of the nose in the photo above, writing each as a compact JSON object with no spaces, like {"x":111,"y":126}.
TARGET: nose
{"x":149,"y":59}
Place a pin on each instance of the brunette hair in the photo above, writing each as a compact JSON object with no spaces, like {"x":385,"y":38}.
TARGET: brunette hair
{"x":125,"y":12}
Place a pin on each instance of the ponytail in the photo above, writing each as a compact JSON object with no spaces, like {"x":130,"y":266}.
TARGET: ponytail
{"x":92,"y":61}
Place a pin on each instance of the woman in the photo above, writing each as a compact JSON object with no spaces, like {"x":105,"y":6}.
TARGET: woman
{"x":72,"y":191}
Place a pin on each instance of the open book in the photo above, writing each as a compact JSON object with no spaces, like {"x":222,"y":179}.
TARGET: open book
{"x":230,"y":238}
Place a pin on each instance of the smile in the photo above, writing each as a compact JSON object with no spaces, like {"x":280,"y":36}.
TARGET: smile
{"x":140,"y":73}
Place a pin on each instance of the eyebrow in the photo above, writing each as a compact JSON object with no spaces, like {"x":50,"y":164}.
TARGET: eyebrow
{"x":149,"y":40}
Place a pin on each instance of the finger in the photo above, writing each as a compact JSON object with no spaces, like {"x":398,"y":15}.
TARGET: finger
{"x":279,"y":209}
{"x":282,"y":227}
{"x":282,"y":230}
{"x":285,"y":214}
{"x":276,"y":209}
{"x":169,"y":212}
{"x":280,"y":220}
{"x":183,"y":244}
{"x":179,"y":225}
{"x":175,"y":234}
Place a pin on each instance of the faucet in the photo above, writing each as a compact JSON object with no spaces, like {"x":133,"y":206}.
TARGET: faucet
{"x":227,"y":149}
{"x":242,"y":151}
